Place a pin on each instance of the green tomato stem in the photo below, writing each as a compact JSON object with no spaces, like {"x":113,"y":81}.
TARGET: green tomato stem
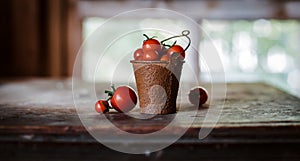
{"x":146,"y":36}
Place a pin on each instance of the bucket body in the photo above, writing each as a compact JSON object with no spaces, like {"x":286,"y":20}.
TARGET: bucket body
{"x":157,"y":84}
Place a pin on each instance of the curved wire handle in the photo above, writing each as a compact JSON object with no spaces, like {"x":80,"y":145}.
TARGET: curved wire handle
{"x":184,"y":33}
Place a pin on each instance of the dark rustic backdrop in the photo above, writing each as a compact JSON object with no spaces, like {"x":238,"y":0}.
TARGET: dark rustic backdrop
{"x":38,"y":37}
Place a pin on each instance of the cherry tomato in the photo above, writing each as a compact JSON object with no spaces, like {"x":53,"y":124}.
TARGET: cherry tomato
{"x":140,"y":58}
{"x":138,"y":54}
{"x":198,"y":96}
{"x":176,"y":49}
{"x":150,"y":55}
{"x":102,"y":106}
{"x":124,"y":99}
{"x":151,"y":45}
{"x":165,"y":58}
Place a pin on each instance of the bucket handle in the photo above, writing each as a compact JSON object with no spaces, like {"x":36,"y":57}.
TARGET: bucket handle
{"x":184,"y":33}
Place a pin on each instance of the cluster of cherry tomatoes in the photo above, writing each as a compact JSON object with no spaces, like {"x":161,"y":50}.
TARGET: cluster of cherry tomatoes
{"x":122,"y":99}
{"x":153,"y":50}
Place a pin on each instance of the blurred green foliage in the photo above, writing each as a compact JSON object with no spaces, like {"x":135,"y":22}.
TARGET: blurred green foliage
{"x":264,"y":34}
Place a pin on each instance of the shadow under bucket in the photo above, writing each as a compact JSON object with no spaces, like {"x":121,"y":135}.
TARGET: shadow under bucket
{"x":157,"y":84}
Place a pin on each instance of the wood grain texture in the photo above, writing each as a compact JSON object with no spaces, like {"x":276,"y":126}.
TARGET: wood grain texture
{"x":50,"y":102}
{"x":38,"y":119}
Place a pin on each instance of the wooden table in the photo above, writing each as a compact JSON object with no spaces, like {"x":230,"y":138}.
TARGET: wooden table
{"x":38,"y":121}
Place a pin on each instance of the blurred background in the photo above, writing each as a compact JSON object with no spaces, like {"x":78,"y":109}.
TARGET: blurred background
{"x":256,"y":40}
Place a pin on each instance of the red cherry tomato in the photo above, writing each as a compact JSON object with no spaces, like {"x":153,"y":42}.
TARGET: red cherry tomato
{"x":102,"y":106}
{"x":165,"y":58}
{"x":139,"y":58}
{"x":151,"y":45}
{"x":138,"y":54}
{"x":124,"y":99}
{"x":176,"y":49}
{"x":150,"y":55}
{"x":198,"y":96}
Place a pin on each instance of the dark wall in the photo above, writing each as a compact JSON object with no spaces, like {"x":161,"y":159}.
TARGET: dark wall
{"x":38,"y":37}
{"x":5,"y":37}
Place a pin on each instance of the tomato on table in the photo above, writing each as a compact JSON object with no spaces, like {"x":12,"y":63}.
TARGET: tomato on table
{"x":198,"y":96}
{"x":123,"y":99}
{"x":102,"y":106}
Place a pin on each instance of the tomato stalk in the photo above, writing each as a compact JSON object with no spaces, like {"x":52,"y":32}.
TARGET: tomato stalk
{"x":148,"y":38}
{"x":169,"y":45}
{"x":107,"y":108}
{"x":184,"y":33}
{"x":110,"y":94}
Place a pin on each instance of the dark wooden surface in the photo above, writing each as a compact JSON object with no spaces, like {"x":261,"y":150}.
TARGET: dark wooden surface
{"x":38,"y":121}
